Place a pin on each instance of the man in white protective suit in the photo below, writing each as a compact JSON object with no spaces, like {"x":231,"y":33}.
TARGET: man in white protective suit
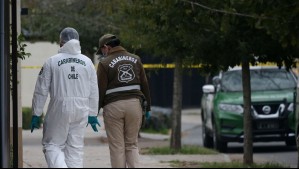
{"x":70,"y":79}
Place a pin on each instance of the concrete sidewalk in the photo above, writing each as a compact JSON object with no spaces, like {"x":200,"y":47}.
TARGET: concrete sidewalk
{"x":96,"y":151}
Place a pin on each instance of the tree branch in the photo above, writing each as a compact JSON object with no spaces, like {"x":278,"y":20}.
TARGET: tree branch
{"x":225,"y":12}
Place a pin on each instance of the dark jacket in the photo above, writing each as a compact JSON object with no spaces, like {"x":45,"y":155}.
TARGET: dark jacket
{"x":121,"y":76}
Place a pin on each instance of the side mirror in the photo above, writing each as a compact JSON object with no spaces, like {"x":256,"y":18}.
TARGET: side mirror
{"x":216,"y":80}
{"x":208,"y":89}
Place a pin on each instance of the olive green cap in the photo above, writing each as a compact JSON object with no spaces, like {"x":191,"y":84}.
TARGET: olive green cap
{"x":104,"y":40}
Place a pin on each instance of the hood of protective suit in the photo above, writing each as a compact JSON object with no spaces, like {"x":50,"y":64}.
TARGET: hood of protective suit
{"x":71,"y":47}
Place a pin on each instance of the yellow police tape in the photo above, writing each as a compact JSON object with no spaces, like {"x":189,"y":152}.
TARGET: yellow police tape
{"x":31,"y":67}
{"x":195,"y":66}
{"x":162,"y":66}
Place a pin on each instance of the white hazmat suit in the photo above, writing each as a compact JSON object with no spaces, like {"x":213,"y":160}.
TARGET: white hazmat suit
{"x":71,"y":80}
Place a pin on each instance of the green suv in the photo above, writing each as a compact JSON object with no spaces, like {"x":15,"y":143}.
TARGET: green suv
{"x":272,"y":109}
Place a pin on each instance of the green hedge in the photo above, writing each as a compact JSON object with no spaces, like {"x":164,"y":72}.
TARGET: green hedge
{"x":27,"y":114}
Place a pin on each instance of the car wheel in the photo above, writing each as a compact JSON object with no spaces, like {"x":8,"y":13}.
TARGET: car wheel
{"x":219,"y":145}
{"x":290,"y":141}
{"x":206,"y":138}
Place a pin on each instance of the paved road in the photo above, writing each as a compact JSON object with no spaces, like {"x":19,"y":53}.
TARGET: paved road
{"x":263,"y":152}
{"x":273,"y":152}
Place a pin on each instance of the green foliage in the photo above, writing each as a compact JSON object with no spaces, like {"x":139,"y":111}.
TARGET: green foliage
{"x":281,"y":20}
{"x":196,"y":31}
{"x":27,"y":114}
{"x":90,"y":18}
{"x":183,"y":150}
{"x":155,"y":131}
{"x":21,"y":50}
{"x":162,"y":28}
{"x":21,"y":53}
{"x":216,"y":34}
{"x":234,"y":164}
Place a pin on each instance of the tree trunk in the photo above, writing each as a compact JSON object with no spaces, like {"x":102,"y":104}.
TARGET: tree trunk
{"x":248,"y":154}
{"x":297,"y":141}
{"x":177,"y":106}
{"x":296,"y":96}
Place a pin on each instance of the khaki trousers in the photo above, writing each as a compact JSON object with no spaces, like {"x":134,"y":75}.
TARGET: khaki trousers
{"x":122,"y":123}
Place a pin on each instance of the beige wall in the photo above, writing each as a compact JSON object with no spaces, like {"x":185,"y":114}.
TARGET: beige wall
{"x":31,"y":66}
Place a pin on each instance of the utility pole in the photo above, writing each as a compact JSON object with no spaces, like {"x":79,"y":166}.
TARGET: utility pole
{"x":4,"y":85}
{"x":16,"y":136}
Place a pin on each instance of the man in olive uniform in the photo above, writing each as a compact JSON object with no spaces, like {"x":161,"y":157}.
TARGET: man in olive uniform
{"x":123,"y":87}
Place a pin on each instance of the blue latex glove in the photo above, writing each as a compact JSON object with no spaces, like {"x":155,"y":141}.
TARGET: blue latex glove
{"x":147,"y":115}
{"x":93,"y":121}
{"x":34,"y":122}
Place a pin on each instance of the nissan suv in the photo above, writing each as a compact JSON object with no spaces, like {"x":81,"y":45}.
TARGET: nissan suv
{"x":272,"y":107}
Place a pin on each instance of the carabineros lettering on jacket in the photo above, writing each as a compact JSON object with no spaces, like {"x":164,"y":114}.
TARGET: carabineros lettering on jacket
{"x":71,"y":60}
{"x":121,"y":58}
